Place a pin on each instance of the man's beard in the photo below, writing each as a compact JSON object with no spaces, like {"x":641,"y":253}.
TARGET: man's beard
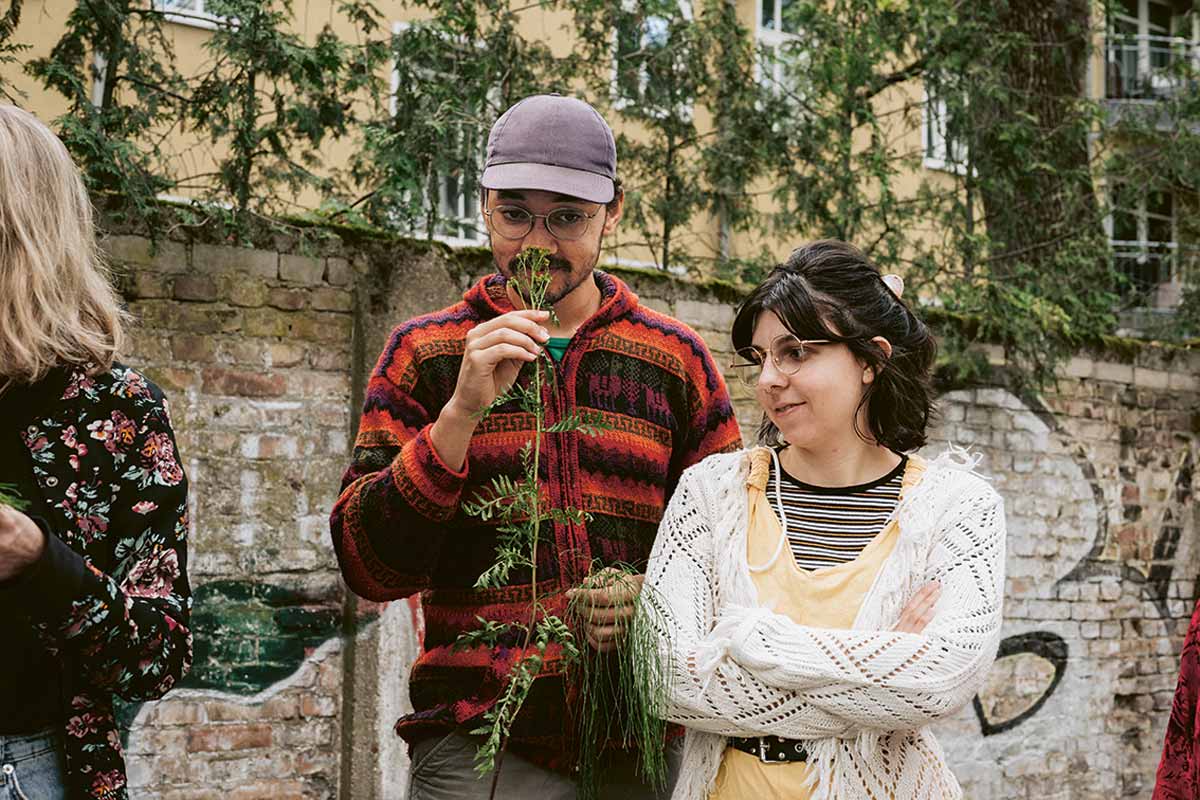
{"x":556,"y":265}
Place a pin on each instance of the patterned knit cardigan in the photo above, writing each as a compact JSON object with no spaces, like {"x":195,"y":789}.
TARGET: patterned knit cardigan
{"x":862,"y":698}
{"x":398,"y":527}
{"x":105,"y":460}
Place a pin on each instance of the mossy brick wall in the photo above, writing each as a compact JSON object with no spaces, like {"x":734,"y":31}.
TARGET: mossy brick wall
{"x":264,"y":352}
{"x":254,"y":348}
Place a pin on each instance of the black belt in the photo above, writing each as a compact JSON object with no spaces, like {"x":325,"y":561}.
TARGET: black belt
{"x":771,"y":749}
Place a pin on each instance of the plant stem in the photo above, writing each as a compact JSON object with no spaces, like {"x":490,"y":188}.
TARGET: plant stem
{"x":539,"y":422}
{"x":539,"y":418}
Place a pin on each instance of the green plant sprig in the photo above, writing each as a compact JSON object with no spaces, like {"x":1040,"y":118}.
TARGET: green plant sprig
{"x":9,"y":496}
{"x":623,"y":691}
{"x":517,"y":505}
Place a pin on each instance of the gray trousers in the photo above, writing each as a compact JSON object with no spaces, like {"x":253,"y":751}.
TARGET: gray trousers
{"x":443,"y":768}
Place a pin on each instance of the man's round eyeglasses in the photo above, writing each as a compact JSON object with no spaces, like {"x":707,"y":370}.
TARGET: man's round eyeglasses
{"x":564,"y":224}
{"x":787,"y":353}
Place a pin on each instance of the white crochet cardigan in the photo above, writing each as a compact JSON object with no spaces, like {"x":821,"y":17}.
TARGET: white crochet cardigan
{"x":861,"y":697}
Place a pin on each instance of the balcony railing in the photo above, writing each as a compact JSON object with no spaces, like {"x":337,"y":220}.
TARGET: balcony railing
{"x":1157,"y":271}
{"x":1145,"y":67}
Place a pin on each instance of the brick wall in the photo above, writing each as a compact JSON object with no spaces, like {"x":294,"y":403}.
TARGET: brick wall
{"x":254,"y":349}
{"x":1099,"y":480}
{"x":264,"y":353}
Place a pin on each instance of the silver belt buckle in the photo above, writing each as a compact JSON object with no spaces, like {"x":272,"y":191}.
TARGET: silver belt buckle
{"x":762,"y":750}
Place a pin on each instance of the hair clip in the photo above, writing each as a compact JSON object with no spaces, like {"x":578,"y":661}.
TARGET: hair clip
{"x":894,"y":282}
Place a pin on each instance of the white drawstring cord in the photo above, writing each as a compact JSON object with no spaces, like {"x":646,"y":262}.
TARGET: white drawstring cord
{"x":782,"y":516}
{"x":11,"y":774}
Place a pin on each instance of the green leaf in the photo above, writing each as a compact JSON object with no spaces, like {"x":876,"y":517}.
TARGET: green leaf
{"x":587,"y":423}
{"x":488,"y":634}
{"x":9,"y":496}
{"x":569,"y":515}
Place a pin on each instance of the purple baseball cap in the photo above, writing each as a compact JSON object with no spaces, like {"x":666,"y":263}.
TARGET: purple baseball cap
{"x":555,"y":144}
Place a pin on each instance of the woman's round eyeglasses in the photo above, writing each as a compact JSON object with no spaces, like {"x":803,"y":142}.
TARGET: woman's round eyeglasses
{"x":787,"y":353}
{"x":564,"y":224}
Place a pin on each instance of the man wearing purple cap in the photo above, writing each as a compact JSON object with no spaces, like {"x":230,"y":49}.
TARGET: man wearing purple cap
{"x":550,"y":181}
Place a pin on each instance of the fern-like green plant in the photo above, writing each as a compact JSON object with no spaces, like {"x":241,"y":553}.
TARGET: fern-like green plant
{"x":622,"y":691}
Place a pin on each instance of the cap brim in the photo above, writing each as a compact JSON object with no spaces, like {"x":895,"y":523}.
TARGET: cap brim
{"x":548,"y":178}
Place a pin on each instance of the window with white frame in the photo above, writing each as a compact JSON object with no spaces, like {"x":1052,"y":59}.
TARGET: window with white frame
{"x":459,"y":220}
{"x":456,"y":193}
{"x":189,"y":12}
{"x":1142,"y":234}
{"x":941,"y":150}
{"x":778,"y":36}
{"x":639,"y":57}
{"x":1145,"y":40}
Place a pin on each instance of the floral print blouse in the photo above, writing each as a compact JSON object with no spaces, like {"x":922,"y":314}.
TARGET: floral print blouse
{"x":110,"y":598}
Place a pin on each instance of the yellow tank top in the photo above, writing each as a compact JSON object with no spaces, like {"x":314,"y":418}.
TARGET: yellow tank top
{"x":824,"y":598}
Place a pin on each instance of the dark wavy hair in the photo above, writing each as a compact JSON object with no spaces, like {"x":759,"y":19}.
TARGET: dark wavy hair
{"x":830,"y":290}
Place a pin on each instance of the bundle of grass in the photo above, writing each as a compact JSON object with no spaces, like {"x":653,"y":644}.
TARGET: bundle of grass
{"x":622,"y":693}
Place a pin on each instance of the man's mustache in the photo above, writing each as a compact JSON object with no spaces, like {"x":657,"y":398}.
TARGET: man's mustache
{"x":553,"y":263}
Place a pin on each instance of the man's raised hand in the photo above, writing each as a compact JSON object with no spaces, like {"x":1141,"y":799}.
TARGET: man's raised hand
{"x":493,"y":356}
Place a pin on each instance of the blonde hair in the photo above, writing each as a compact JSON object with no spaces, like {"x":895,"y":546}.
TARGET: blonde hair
{"x":58,"y":306}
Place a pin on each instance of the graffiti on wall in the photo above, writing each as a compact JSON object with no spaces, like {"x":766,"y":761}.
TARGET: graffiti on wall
{"x":1089,"y":564}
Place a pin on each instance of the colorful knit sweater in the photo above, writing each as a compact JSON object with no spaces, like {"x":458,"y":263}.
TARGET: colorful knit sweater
{"x":398,"y":527}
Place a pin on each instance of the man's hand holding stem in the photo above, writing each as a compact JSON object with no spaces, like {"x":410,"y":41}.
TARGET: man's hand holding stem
{"x":494,"y":354}
{"x":606,"y":603}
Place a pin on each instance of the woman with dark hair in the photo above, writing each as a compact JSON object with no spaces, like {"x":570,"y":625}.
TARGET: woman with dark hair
{"x":827,"y":595}
{"x":94,"y":597}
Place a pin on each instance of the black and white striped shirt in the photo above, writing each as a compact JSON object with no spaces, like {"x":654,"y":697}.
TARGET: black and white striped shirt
{"x":831,"y":525}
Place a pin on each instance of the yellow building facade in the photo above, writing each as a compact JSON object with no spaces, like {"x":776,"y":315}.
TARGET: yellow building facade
{"x":1136,"y":46}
